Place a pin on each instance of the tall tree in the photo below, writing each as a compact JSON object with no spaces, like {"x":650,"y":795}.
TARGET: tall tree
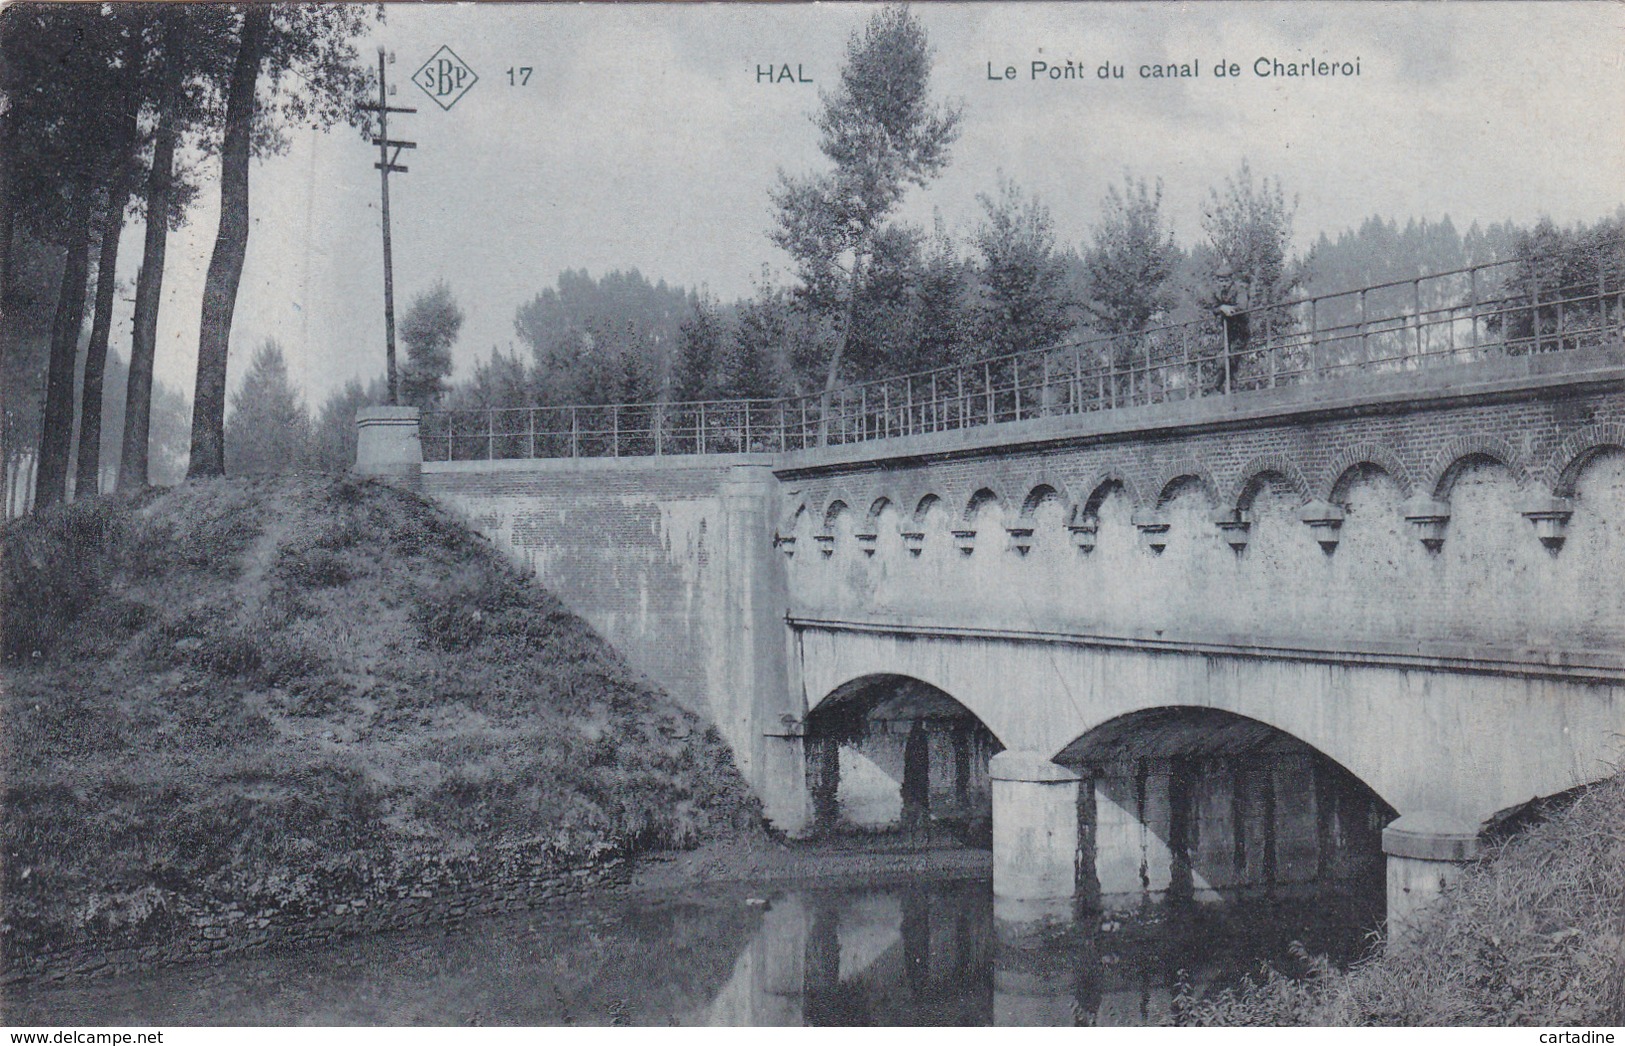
{"x":882,"y":133}
{"x":428,"y":331}
{"x":605,"y":340}
{"x":1562,"y":285}
{"x":62,"y":120}
{"x":269,"y":429}
{"x":944,"y":325}
{"x":885,"y":316}
{"x":333,"y":435}
{"x":121,"y":167}
{"x":498,"y":383}
{"x":314,"y":41}
{"x":231,"y":243}
{"x":1249,"y":227}
{"x":1023,"y":303}
{"x":56,"y":429}
{"x":702,"y":345}
{"x":1128,"y":269}
{"x":161,"y":210}
{"x":752,"y":367}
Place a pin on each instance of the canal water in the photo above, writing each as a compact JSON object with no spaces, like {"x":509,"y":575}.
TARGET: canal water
{"x":920,"y":952}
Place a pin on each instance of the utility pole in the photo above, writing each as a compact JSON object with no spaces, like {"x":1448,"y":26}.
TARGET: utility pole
{"x":386,"y":163}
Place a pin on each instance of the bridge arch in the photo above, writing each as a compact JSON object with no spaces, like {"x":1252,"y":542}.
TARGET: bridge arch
{"x":1041,"y":487}
{"x":924,"y":506}
{"x":839,"y":501}
{"x":881,"y":503}
{"x":984,"y":494}
{"x":1187,"y":474}
{"x":792,"y":519}
{"x":887,"y":750}
{"x":1197,"y":803}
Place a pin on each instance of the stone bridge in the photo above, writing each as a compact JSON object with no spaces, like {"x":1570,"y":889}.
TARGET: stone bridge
{"x":1246,"y":642}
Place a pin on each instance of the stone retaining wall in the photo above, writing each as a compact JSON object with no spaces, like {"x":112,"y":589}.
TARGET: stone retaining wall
{"x":314,"y":908}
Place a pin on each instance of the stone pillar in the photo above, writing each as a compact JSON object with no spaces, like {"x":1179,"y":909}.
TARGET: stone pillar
{"x":1035,"y":837}
{"x":1425,"y":851}
{"x":751,"y":695}
{"x":387,"y":445}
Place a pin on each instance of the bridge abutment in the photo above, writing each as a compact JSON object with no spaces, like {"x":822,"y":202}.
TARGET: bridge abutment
{"x":1035,"y":837}
{"x":757,"y":665}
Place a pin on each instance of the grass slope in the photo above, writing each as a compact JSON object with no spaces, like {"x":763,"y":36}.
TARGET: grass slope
{"x":1533,"y":933}
{"x":223,"y":689}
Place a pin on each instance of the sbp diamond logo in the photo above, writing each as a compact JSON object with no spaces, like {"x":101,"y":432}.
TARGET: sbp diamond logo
{"x":445,"y":78}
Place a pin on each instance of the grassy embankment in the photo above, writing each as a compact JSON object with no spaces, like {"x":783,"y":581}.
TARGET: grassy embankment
{"x":1533,"y":933}
{"x":227,"y":691}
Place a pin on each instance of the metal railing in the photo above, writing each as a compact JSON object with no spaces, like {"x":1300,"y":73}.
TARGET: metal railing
{"x":608,"y":431}
{"x":1488,"y":311}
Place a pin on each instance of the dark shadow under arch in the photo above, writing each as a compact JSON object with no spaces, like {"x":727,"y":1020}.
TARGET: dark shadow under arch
{"x":909,"y":736}
{"x":1194,"y":803}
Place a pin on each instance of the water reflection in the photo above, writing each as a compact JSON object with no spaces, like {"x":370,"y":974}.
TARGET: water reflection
{"x":914,"y":953}
{"x":935,"y":954}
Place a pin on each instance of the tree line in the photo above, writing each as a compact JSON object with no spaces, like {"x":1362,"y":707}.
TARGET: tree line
{"x":871,"y":294}
{"x":874,"y":296}
{"x":112,"y":112}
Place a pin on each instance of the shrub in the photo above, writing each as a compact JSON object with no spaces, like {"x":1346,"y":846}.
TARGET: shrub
{"x":53,"y":567}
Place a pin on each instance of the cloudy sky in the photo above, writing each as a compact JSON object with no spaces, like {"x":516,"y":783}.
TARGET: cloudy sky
{"x":644,"y":139}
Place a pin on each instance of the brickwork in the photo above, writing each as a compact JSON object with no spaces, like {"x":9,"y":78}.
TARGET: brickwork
{"x":1491,"y":581}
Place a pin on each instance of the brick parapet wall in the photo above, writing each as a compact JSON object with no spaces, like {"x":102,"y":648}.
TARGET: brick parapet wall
{"x":1492,"y":582}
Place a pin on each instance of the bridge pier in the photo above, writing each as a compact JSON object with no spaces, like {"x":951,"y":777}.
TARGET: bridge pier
{"x":1426,"y":851}
{"x":1035,"y":837}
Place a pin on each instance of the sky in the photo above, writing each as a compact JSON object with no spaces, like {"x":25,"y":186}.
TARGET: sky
{"x":646,"y":139}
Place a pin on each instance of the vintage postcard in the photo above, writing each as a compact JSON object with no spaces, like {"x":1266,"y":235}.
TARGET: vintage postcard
{"x":759,"y":514}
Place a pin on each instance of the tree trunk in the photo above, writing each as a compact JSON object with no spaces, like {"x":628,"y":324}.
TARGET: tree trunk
{"x":90,"y":403}
{"x":149,"y":280}
{"x":230,"y":245}
{"x":832,"y":380}
{"x":118,"y":197}
{"x":56,"y":427}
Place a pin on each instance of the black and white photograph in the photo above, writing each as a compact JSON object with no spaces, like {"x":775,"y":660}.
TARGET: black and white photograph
{"x":724,"y":514}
